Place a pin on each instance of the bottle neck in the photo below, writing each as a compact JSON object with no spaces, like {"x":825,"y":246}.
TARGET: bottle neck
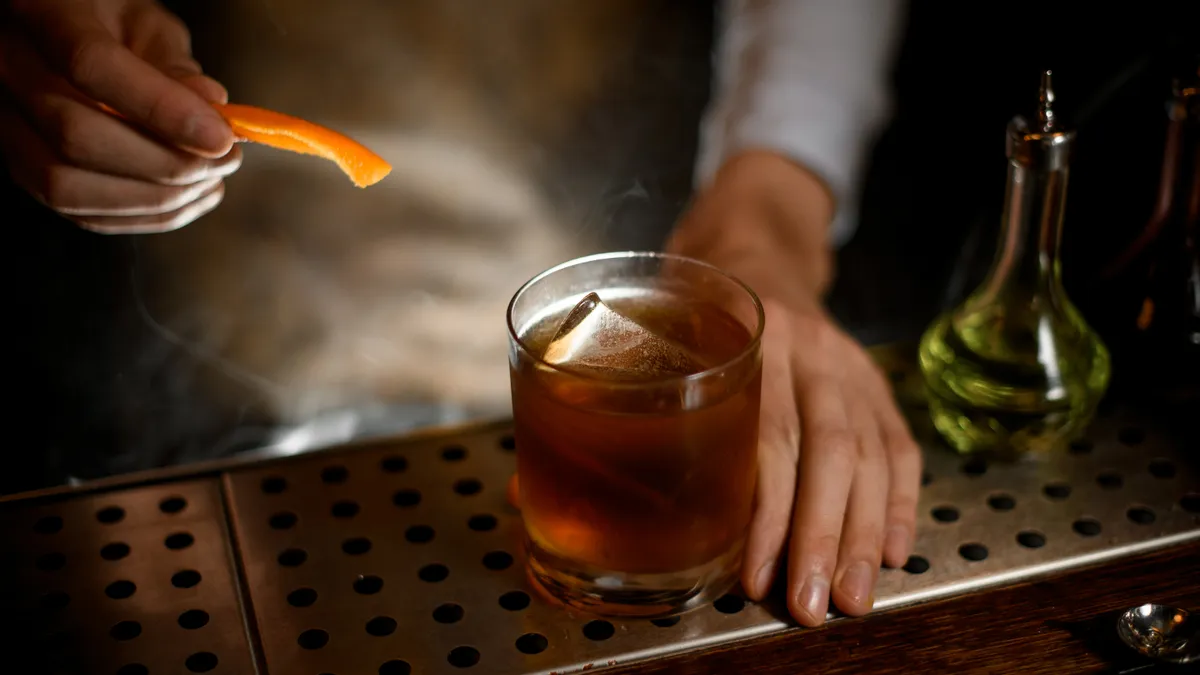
{"x":1028,"y":253}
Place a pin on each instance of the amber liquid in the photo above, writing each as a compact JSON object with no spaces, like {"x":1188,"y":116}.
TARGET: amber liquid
{"x":631,"y":478}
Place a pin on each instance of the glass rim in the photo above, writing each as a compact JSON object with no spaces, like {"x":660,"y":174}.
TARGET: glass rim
{"x":753,"y":344}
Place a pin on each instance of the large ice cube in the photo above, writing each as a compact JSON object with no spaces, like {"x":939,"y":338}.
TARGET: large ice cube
{"x":594,"y":337}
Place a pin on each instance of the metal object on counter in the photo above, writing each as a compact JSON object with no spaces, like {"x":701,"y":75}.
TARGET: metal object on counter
{"x":402,"y":556}
{"x":1167,"y":634}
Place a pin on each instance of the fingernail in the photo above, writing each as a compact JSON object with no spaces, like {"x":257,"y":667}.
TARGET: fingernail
{"x":764,"y":576}
{"x":858,"y":582}
{"x":814,"y":597}
{"x":209,"y":132}
{"x":897,"y":540}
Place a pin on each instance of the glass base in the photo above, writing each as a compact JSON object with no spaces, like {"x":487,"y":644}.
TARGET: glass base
{"x":616,"y":594}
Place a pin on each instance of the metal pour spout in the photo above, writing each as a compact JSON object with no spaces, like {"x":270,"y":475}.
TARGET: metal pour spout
{"x":1046,"y":103}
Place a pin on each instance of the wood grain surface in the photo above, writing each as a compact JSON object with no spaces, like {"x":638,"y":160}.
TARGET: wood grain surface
{"x":1058,"y":624}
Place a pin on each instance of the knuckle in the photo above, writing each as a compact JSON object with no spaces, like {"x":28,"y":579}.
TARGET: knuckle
{"x":72,"y":137}
{"x":178,"y":171}
{"x":53,"y":185}
{"x":87,"y":61}
{"x":837,"y":443}
{"x":821,"y":545}
{"x":901,"y":509}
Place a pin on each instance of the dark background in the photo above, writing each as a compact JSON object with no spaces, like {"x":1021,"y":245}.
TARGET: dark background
{"x":930,"y":207}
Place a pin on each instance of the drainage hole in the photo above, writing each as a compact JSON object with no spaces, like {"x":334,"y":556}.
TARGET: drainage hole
{"x":1131,"y":436}
{"x":110,"y":515}
{"x":508,"y":443}
{"x":185,"y":579}
{"x":1087,"y":527}
{"x":381,"y":626}
{"x":976,"y":466}
{"x":1162,"y":468}
{"x":114,"y":551}
{"x":55,"y":600}
{"x":532,"y":643}
{"x":313,"y":638}
{"x":497,"y":560}
{"x":454,"y":453}
{"x":201,"y":662}
{"x":1002,"y":502}
{"x":945,"y":514}
{"x":394,"y":464}
{"x":173,"y":504}
{"x":1031,"y":539}
{"x":179,"y":541}
{"x":406,"y":498}
{"x":119,"y":590}
{"x":665,"y":623}
{"x":1191,"y":502}
{"x":333,"y":475}
{"x":1080,"y":447}
{"x":419,"y":534}
{"x":598,"y":630}
{"x":448,"y":613}
{"x":395,"y":667}
{"x":48,"y":525}
{"x":356,"y":546}
{"x":433,"y":573}
{"x":273,"y":485}
{"x":1140,"y":515}
{"x":50,"y":562}
{"x":193,"y":619}
{"x":292,"y":557}
{"x":514,"y":601}
{"x":302,"y":597}
{"x":916,"y":565}
{"x":1057,"y":490}
{"x":283,"y":520}
{"x":482,"y":522}
{"x":463,"y":657}
{"x":1109,"y":480}
{"x":973,"y":552}
{"x":125,"y":630}
{"x":344,"y":509}
{"x":467,"y":487}
{"x":729,"y":604}
{"x":368,"y":584}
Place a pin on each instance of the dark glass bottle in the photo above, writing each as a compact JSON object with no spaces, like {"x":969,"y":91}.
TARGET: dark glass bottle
{"x":1156,"y":280}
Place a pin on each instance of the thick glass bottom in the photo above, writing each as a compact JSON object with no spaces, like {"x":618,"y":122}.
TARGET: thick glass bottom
{"x":617,"y":594}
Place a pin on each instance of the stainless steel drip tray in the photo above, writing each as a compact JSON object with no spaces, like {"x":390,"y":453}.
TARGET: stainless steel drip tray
{"x":403,"y":557}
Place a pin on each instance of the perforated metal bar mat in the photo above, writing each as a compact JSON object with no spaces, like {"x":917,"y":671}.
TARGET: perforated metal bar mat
{"x":402,"y":556}
{"x":128,"y":582}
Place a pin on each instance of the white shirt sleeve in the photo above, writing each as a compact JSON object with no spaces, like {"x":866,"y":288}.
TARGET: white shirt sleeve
{"x":805,"y":78}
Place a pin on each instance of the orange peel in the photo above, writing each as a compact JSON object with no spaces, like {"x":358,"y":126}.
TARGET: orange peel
{"x":259,"y":125}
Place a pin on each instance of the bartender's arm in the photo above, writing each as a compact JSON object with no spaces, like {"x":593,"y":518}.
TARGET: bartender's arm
{"x":800,"y":92}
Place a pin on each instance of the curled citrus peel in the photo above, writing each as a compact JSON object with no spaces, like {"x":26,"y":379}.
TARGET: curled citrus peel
{"x":365,"y":168}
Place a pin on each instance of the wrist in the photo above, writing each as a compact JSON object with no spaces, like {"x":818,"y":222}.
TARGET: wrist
{"x":766,"y":220}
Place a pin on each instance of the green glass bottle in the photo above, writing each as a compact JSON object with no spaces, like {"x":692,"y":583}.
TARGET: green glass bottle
{"x":1015,"y":368}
